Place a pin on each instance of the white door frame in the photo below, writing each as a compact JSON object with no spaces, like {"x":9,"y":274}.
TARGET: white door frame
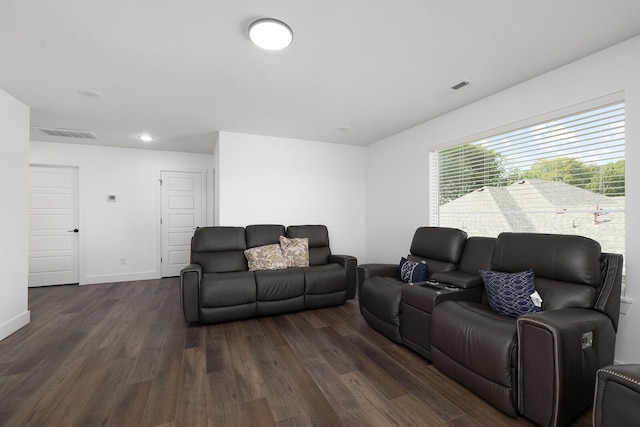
{"x":205,"y":201}
{"x":82,"y":192}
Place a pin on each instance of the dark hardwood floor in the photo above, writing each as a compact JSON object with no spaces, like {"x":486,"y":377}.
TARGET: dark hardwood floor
{"x":119,"y":355}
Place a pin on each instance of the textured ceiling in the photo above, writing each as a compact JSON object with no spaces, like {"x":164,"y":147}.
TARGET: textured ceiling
{"x":183,"y":70}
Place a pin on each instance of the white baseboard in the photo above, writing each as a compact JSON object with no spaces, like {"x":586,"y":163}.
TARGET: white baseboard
{"x":12,"y":325}
{"x":125,"y":277}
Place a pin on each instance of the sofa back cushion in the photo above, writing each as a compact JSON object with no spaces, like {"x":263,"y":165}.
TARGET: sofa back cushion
{"x":318,"y":236}
{"x":477,"y":254}
{"x":219,"y":249}
{"x":440,"y":247}
{"x":566,"y":267}
{"x":263,"y":234}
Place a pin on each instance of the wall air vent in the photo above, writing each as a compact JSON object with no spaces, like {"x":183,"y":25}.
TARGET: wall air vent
{"x":67,"y":133}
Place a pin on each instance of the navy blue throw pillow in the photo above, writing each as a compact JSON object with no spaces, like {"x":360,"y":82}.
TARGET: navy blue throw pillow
{"x":411,"y":271}
{"x":510,"y":293}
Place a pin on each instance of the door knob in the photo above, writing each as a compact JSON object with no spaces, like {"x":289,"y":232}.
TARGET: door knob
{"x":75,"y":230}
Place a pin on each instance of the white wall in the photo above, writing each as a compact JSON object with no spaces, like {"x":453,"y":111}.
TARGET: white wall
{"x":397,"y":167}
{"x":14,"y":154}
{"x":284,"y":181}
{"x":129,"y":228}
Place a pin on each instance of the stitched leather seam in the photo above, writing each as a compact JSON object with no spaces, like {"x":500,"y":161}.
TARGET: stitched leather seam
{"x":624,"y":377}
{"x":595,"y":395}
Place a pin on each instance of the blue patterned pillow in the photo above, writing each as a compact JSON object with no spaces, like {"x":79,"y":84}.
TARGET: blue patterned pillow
{"x":510,"y":293}
{"x":411,"y":271}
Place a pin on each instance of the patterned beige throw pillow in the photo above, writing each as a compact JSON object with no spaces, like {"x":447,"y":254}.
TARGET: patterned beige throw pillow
{"x":295,"y":251}
{"x":268,"y":257}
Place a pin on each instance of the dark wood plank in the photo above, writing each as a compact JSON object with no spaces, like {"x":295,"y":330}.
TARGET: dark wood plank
{"x":163,"y":396}
{"x":419,"y":388}
{"x":350,"y":410}
{"x":194,"y":395}
{"x":119,"y":354}
{"x":313,"y":405}
{"x":130,"y":406}
{"x":224,"y":404}
{"x":383,"y":380}
{"x":257,"y":413}
{"x":248,"y":379}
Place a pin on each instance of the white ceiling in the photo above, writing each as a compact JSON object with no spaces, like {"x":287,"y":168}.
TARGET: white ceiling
{"x":183,"y":70}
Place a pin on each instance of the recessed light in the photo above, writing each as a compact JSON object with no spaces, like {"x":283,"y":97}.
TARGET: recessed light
{"x":146,"y":138}
{"x":344,"y":128}
{"x":270,"y":34}
{"x":90,"y":93}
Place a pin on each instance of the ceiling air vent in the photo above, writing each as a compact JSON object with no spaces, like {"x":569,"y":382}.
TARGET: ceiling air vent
{"x":460,"y":85}
{"x":452,"y":89}
{"x":67,"y":133}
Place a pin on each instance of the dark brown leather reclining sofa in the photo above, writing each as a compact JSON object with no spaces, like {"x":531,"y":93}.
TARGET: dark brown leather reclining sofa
{"x":541,"y":365}
{"x":217,"y":286}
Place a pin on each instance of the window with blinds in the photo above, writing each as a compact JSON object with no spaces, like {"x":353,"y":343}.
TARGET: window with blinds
{"x":566,"y":175}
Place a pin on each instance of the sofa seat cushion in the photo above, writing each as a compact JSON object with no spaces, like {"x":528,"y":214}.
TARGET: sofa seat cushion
{"x":279,"y":291}
{"x":324,"y":279}
{"x":227,"y":289}
{"x":275,"y":285}
{"x":482,"y":341}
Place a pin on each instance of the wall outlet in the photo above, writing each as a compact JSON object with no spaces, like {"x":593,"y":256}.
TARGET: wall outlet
{"x":625,"y":305}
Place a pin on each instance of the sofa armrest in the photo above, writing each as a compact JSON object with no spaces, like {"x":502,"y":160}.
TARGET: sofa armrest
{"x":369,"y":270}
{"x":350,"y":264}
{"x":559,"y":352}
{"x":190,"y":278}
{"x":617,"y":397}
{"x":458,"y":278}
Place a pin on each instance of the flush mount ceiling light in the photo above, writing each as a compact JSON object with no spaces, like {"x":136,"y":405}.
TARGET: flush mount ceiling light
{"x":270,"y":34}
{"x":90,"y":93}
{"x":145,"y":138}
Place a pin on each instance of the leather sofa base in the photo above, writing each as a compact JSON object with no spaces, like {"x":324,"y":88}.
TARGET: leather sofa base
{"x":325,"y":300}
{"x":389,"y":330}
{"x":222,"y":314}
{"x":468,"y":337}
{"x":380,"y":306}
{"x":268,"y":308}
{"x":416,"y":329}
{"x":502,"y":398}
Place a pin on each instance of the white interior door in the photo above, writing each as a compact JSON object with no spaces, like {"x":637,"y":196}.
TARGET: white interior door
{"x":53,"y":225}
{"x":183,"y":210}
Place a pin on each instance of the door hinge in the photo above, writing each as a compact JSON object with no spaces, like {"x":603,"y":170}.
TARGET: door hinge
{"x":160,"y":181}
{"x":160,"y":220}
{"x":160,"y":260}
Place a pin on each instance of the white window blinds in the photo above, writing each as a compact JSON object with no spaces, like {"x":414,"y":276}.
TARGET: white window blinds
{"x":562,"y":176}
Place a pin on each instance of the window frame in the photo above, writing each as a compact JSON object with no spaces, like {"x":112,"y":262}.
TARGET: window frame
{"x":547,"y":118}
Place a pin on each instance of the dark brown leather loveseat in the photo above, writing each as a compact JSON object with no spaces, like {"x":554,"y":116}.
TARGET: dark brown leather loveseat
{"x":541,"y":365}
{"x":217,"y":286}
